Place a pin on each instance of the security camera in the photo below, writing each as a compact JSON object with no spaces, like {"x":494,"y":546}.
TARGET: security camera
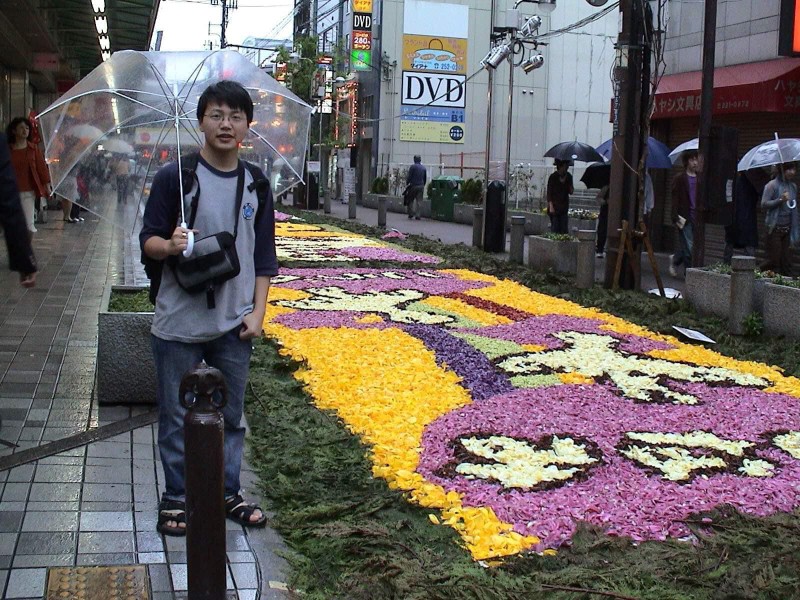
{"x":496,"y":56}
{"x":532,"y":63}
{"x":531,"y":26}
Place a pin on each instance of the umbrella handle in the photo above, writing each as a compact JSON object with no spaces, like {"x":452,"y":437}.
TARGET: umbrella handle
{"x":791,"y":204}
{"x":189,"y":242}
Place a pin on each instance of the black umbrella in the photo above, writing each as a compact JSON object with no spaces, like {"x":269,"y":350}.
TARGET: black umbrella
{"x":574,"y":151}
{"x":597,"y":175}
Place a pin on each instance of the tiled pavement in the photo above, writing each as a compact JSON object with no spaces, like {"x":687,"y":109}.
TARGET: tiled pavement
{"x":96,"y":504}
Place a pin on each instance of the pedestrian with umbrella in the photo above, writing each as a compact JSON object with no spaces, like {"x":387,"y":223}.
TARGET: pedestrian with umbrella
{"x":684,"y":208}
{"x":559,"y":188}
{"x":190,"y":326}
{"x":783,"y":230}
{"x":779,"y":199}
{"x":559,"y":184}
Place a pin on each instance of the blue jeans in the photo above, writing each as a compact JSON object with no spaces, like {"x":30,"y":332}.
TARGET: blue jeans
{"x":231,"y":356}
{"x":686,"y":240}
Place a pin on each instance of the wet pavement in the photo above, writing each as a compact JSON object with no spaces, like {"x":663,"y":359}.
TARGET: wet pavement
{"x":95,"y":504}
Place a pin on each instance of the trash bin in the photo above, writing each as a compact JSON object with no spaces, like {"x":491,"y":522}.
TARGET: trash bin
{"x":312,"y":202}
{"x":445,"y":192}
{"x":494,"y":232}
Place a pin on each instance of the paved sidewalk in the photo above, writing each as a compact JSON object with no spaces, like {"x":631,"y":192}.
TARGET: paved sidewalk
{"x":458,"y":233}
{"x":95,"y":504}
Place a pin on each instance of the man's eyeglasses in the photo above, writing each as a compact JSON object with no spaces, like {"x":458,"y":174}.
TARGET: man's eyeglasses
{"x":233,"y":118}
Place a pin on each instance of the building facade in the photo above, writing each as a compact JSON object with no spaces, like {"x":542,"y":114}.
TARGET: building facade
{"x":421,"y":88}
{"x":756,"y":88}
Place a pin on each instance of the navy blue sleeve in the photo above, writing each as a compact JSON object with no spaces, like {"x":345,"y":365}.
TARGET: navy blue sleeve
{"x":162,"y":205}
{"x":265,"y":258}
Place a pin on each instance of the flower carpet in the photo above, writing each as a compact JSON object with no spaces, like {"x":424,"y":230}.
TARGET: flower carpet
{"x":513,"y":415}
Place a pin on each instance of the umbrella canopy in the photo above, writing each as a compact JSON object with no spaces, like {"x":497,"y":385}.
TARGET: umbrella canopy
{"x":657,"y":153}
{"x":574,"y":151}
{"x":597,"y":175}
{"x":692,"y":144}
{"x":118,"y":146}
{"x":773,"y":152}
{"x":147,"y":101}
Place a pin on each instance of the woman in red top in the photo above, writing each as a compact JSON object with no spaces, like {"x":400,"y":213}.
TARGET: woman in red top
{"x":33,"y":178}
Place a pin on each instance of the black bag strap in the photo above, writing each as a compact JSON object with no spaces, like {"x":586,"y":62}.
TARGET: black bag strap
{"x":260,"y":184}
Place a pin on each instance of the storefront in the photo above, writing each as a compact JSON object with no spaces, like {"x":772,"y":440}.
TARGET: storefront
{"x":757,"y":99}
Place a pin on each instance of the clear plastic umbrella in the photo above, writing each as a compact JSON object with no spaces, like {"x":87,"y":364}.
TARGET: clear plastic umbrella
{"x":773,"y":152}
{"x":693,"y":144}
{"x":147,"y":101}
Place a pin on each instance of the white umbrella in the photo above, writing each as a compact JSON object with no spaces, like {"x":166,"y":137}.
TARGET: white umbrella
{"x":118,"y":146}
{"x":85,"y":131}
{"x":692,"y":144}
{"x":773,"y":152}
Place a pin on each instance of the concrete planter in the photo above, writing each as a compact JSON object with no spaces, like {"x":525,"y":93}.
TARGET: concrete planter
{"x":464,"y":213}
{"x":780,"y":313}
{"x":709,"y":292}
{"x":581,"y":224}
{"x":125,"y":370}
{"x":535,"y":222}
{"x":560,"y":256}
{"x":394,"y":204}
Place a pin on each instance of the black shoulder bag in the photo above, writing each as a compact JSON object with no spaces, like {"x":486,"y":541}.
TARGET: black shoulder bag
{"x":214,"y":259}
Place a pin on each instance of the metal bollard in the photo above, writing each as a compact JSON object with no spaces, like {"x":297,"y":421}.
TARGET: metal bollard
{"x":517,"y":239}
{"x":327,"y":201}
{"x":477,"y":227}
{"x":743,"y":280}
{"x":351,"y":206}
{"x":381,"y":211}
{"x":584,"y":270}
{"x":205,"y":484}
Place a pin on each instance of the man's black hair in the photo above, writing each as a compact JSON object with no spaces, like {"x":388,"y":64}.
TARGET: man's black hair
{"x":11,"y":134}
{"x":688,"y":155}
{"x":227,"y":92}
{"x":417,"y":158}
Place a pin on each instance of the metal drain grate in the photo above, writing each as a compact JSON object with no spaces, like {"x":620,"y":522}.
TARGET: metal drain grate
{"x":98,"y":583}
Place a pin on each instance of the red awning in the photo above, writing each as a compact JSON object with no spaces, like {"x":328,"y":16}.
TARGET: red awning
{"x":769,"y":86}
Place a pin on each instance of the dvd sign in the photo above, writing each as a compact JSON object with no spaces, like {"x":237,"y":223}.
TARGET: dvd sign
{"x":362,"y":22}
{"x":434,"y":89}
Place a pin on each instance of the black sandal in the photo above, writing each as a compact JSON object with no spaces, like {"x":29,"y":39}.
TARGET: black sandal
{"x":175,"y":511}
{"x":236,"y":509}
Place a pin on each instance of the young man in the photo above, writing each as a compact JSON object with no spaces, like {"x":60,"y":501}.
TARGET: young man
{"x":559,"y":188}
{"x":684,"y":203}
{"x":185,"y":329}
{"x":417,"y":178}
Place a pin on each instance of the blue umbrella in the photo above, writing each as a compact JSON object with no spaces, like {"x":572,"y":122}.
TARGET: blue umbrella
{"x":657,"y":153}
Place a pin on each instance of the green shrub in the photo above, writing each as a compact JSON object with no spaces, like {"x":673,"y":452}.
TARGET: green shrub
{"x":380,"y":185}
{"x":472,"y":191}
{"x":559,"y":237}
{"x":753,"y":324}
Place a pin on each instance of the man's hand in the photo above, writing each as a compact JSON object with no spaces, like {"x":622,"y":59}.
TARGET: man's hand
{"x":179,"y":240}
{"x":252,"y":325}
{"x":27,"y":280}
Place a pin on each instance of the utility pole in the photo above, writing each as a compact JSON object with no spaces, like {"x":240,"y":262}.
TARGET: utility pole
{"x":489,"y":107}
{"x":627,"y":146}
{"x":706,"y":111}
{"x":226,"y":6}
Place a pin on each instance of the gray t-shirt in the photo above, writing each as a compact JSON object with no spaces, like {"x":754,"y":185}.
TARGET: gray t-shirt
{"x":183,"y":317}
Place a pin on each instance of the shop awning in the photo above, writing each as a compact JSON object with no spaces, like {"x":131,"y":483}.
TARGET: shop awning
{"x":768,"y":86}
